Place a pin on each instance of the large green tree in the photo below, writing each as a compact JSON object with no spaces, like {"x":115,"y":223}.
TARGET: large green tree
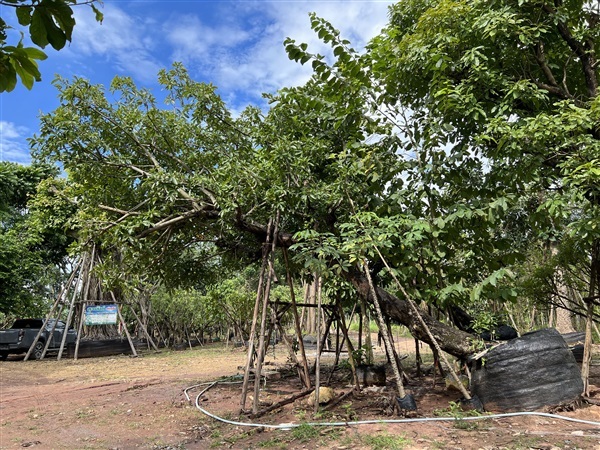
{"x":421,"y":151}
{"x":159,"y":183}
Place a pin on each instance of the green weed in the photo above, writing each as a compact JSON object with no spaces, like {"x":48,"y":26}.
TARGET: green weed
{"x":385,"y":442}
{"x":305,"y":433}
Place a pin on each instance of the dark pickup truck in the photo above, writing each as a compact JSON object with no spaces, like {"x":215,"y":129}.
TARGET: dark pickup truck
{"x":19,"y":337}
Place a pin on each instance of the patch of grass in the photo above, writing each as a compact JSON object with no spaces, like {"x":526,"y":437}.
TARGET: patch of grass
{"x":161,"y":446}
{"x":300,"y":414}
{"x":305,"y":433}
{"x":455,"y":410}
{"x":273,"y":443}
{"x":438,"y":445}
{"x":524,"y":442}
{"x":385,"y":441}
{"x":84,"y":413}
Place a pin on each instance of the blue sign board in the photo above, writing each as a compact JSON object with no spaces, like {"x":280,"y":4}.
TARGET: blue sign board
{"x":101,"y":315}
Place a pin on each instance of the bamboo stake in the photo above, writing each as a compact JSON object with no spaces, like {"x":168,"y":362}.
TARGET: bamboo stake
{"x":144,"y":329}
{"x":51,"y":334}
{"x":338,"y":348}
{"x":324,"y":334}
{"x":384,"y":332}
{"x":259,"y":292}
{"x":292,"y":353}
{"x":133,"y":350}
{"x":64,"y":289}
{"x":349,"y":346}
{"x":263,"y":322}
{"x":284,"y":402}
{"x":297,"y":321}
{"x":587,"y":347}
{"x":187,"y":335}
{"x":86,"y":294}
{"x":67,"y":324}
{"x":318,"y":360}
{"x":416,"y":311}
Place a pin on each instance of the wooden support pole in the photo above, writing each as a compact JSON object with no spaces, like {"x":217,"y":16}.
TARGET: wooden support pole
{"x":51,"y":334}
{"x":67,"y":324}
{"x":349,"y":345}
{"x":259,"y":295}
{"x":338,"y":348}
{"x":385,"y":334}
{"x":418,"y":360}
{"x":319,"y":346}
{"x":260,"y":354}
{"x":284,"y":402}
{"x":324,"y":334}
{"x":292,"y":353}
{"x":589,"y":302}
{"x":338,"y":400}
{"x":417,"y":313}
{"x":63,"y":292}
{"x":86,"y":295}
{"x":133,"y":350}
{"x":263,"y":322}
{"x":144,"y":329}
{"x":297,"y":327}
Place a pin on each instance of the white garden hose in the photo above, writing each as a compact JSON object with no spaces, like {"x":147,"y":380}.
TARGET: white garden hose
{"x":289,"y":426}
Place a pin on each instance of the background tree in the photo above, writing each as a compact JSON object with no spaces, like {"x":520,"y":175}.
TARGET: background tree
{"x":34,"y":237}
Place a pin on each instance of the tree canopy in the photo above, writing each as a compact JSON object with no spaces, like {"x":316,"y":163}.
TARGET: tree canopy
{"x":466,"y":133}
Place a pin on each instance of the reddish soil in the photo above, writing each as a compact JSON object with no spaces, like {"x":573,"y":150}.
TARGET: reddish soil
{"x":126,"y":403}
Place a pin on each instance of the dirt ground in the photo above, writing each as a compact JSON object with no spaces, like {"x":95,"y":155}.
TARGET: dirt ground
{"x":129,"y":403}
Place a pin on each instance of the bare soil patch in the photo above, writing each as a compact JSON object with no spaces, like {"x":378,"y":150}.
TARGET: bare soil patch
{"x":127,"y":403}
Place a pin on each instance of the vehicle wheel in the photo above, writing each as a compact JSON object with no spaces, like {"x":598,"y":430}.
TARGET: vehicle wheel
{"x":38,"y":350}
{"x":3,"y":356}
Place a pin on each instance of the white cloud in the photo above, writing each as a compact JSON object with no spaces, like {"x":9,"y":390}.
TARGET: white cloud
{"x":246,"y":57}
{"x":193,"y":40}
{"x":13,"y":144}
{"x":123,"y":41}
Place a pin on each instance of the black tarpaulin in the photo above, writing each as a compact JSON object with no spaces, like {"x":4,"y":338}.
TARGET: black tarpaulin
{"x":528,"y":373}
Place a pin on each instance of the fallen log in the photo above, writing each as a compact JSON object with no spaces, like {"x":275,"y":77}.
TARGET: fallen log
{"x":283,"y":402}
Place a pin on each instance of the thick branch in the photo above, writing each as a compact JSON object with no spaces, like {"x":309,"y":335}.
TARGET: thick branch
{"x":211,"y":213}
{"x":540,"y":57}
{"x":450,"y":339}
{"x":583,"y":51}
{"x":259,"y":230}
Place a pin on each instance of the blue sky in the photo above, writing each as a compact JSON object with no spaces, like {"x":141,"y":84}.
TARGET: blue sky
{"x":236,"y":45}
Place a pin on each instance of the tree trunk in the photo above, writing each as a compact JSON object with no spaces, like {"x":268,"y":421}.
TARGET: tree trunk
{"x":450,"y":339}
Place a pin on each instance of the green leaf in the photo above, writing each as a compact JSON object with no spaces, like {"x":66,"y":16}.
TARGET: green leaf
{"x":98,"y":13}
{"x":34,"y":53}
{"x":55,"y":35}
{"x":28,"y":65}
{"x":26,"y":78}
{"x":8,"y":78}
{"x":24,"y":15}
{"x":37,"y":29}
